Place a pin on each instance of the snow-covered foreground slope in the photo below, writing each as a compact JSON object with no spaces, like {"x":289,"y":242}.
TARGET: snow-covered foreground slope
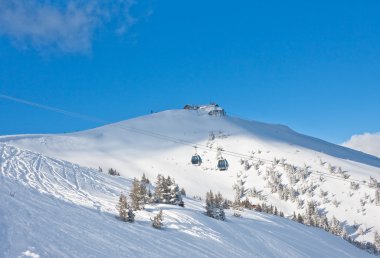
{"x":306,"y":168}
{"x":53,"y":208}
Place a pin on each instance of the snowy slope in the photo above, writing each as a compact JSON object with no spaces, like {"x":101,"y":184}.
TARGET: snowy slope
{"x":162,"y":143}
{"x":53,"y":208}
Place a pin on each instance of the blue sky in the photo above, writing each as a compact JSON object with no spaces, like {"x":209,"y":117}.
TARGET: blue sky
{"x":311,"y":65}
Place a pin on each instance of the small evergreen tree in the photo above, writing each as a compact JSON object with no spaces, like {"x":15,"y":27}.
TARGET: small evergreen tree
{"x":258,"y":208}
{"x":299,"y":218}
{"x":335,"y":227}
{"x":145,"y":180}
{"x":113,"y":172}
{"x":214,"y":206}
{"x":294,"y":217}
{"x":124,"y":210}
{"x":175,"y":194}
{"x":240,"y":190}
{"x":138,"y":195}
{"x":157,"y":220}
{"x":122,"y":206}
{"x":131,"y":215}
{"x":377,"y":197}
{"x":183,"y":192}
{"x":377,"y":242}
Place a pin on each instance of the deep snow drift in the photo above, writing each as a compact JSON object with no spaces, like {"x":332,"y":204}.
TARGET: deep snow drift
{"x":53,"y":208}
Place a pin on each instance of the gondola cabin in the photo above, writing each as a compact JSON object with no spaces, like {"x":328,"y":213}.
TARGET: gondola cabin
{"x":222,"y":164}
{"x":196,"y":160}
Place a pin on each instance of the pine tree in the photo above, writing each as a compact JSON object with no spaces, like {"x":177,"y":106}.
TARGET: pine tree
{"x":124,"y":210}
{"x":219,"y":207}
{"x":377,"y":197}
{"x":122,"y":207}
{"x":145,"y":180}
{"x":300,"y":218}
{"x":210,"y":204}
{"x":137,"y":195}
{"x":294,"y":218}
{"x":113,"y":172}
{"x":258,"y":208}
{"x":214,"y":206}
{"x":159,"y":190}
{"x":240,"y":190}
{"x":183,"y":192}
{"x":324,"y":223}
{"x":157,"y":220}
{"x":175,"y":194}
{"x":335,"y":227}
{"x":131,"y":215}
{"x":377,"y":242}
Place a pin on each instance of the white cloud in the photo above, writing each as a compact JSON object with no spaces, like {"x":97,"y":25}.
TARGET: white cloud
{"x":367,"y":142}
{"x":67,"y":26}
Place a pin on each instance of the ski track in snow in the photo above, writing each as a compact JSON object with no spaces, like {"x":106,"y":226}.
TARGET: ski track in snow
{"x":63,"y":210}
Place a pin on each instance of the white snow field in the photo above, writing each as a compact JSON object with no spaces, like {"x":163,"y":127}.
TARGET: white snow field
{"x":261,"y":155}
{"x":53,"y":208}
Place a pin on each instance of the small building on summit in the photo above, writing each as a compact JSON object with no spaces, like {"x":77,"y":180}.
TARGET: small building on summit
{"x":212,"y":109}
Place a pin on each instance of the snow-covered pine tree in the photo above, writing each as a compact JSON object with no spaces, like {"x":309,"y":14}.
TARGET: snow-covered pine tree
{"x":239,"y":188}
{"x":130,"y":215}
{"x":258,"y":208}
{"x":144,"y":179}
{"x":311,"y":214}
{"x":324,"y":223}
{"x":377,"y":197}
{"x":219,"y":207}
{"x":159,"y":190}
{"x":373,"y":182}
{"x":143,"y":194}
{"x":377,"y":242}
{"x":299,"y":218}
{"x":157,"y":220}
{"x":183,"y":192}
{"x":210,"y":204}
{"x":166,"y":190}
{"x":214,"y":206}
{"x":136,"y":195}
{"x":335,"y":227}
{"x":122,"y":206}
{"x":294,"y":217}
{"x":113,"y":172}
{"x":175,"y":194}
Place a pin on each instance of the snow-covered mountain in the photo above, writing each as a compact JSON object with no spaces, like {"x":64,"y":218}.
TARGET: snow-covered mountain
{"x":274,"y":164}
{"x":54,"y":208}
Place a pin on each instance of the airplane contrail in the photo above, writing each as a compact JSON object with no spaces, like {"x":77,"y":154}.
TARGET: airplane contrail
{"x":53,"y":109}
